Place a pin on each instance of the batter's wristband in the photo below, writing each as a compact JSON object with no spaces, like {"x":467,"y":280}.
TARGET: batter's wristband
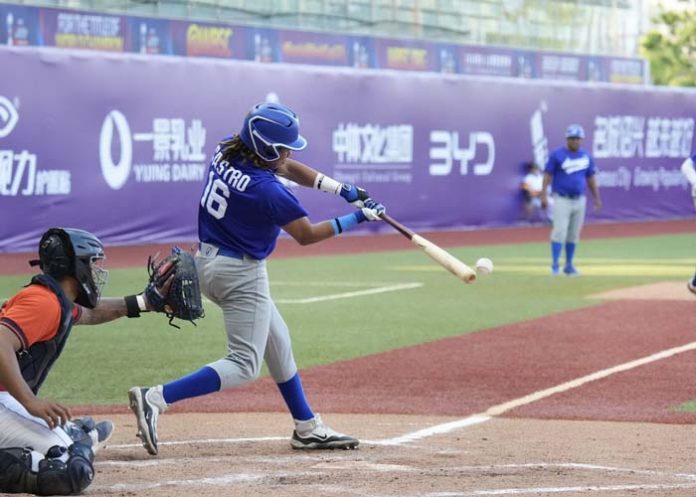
{"x":325,"y":184}
{"x":344,"y":223}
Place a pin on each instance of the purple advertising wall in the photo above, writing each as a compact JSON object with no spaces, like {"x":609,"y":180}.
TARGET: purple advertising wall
{"x":118,"y":143}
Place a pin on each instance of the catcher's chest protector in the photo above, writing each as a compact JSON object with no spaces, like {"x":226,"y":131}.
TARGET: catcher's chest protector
{"x":36,"y":361}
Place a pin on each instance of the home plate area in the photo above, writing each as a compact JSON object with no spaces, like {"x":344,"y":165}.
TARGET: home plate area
{"x":244,"y":454}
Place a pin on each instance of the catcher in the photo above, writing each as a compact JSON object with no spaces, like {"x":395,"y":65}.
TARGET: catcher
{"x":43,"y":451}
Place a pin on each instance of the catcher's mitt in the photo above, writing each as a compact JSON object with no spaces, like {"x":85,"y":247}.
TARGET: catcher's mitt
{"x":173,"y":287}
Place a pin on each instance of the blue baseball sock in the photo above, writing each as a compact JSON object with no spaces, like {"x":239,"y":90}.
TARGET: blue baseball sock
{"x":295,"y":398}
{"x":556,"y":248}
{"x":693,"y":281}
{"x":202,"y":382}
{"x":570,"y":253}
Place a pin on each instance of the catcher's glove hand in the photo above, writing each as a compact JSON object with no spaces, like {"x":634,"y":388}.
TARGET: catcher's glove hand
{"x":173,"y":287}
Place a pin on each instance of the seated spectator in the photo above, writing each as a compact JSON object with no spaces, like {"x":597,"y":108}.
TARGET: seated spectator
{"x":531,"y":190}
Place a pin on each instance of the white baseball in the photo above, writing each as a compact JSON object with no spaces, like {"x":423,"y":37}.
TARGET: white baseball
{"x":484,"y":266}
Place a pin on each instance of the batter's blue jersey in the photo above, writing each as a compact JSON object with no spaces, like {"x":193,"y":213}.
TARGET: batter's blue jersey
{"x":243,"y":207}
{"x":569,"y":171}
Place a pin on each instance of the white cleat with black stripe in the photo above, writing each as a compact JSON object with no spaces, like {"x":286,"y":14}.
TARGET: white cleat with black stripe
{"x":147,"y":404}
{"x":313,"y":434}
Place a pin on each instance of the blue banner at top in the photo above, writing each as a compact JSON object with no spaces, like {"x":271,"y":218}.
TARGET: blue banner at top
{"x":27,"y":26}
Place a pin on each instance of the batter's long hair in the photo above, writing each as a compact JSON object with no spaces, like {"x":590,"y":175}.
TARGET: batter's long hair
{"x":234,"y":148}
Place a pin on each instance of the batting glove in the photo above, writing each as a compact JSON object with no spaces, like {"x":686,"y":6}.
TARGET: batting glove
{"x":354,"y":195}
{"x":373,"y":210}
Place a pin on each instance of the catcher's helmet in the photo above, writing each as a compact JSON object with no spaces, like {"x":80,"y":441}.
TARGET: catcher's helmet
{"x":269,"y":126}
{"x":575,"y":131}
{"x":71,"y":252}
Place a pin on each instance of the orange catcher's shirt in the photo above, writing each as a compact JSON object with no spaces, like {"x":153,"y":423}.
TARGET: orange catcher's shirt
{"x":33,"y":315}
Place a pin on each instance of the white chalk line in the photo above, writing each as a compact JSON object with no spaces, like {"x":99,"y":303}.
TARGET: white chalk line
{"x":533,"y":397}
{"x":345,"y":284}
{"x":561,"y":490}
{"x":349,"y":295}
{"x":205,"y":441}
{"x":372,"y":290}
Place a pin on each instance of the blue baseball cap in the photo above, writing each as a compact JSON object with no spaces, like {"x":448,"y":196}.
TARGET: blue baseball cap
{"x":575,"y":131}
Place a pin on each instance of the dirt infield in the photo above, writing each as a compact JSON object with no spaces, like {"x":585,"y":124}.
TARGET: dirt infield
{"x":574,"y":403}
{"x":501,"y":457}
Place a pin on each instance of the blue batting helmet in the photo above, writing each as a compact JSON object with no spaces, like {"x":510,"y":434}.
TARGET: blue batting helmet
{"x":269,"y":126}
{"x":575,"y":131}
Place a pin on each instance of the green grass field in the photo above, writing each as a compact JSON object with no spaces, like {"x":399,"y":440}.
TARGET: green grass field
{"x":100,"y":363}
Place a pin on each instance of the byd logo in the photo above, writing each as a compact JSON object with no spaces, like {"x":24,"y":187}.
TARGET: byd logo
{"x":8,"y":117}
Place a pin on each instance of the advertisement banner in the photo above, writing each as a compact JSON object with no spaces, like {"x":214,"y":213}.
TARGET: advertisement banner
{"x":362,"y":52}
{"x":19,"y":26}
{"x":406,"y":55}
{"x":262,"y":45}
{"x":483,"y":61}
{"x":110,"y":145}
{"x":313,"y":48}
{"x":449,"y":58}
{"x":621,"y":70}
{"x":199,"y":39}
{"x":26,"y":26}
{"x":150,"y":36}
{"x":73,"y":29}
{"x":561,"y":67}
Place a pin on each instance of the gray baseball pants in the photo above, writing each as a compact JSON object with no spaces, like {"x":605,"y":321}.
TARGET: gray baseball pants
{"x":568,"y":217}
{"x":18,"y":428}
{"x":255,"y":329}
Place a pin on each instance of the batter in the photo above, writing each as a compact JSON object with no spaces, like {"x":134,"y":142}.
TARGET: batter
{"x":241,"y":212}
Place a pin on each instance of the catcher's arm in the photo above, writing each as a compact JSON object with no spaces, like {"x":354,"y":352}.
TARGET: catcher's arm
{"x":156,"y":296}
{"x":110,"y":308}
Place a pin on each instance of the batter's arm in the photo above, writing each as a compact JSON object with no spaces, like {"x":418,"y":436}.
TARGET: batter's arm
{"x":592,"y":185}
{"x":298,"y":172}
{"x":304,"y":175}
{"x":54,"y":413}
{"x":306,"y":233}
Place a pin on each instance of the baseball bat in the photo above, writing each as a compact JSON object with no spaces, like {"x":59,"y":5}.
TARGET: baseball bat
{"x":439,"y":255}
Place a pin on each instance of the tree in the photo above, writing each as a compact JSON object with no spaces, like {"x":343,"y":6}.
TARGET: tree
{"x":671,"y":48}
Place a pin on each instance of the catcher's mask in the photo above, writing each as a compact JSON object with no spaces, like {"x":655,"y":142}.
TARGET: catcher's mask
{"x":77,"y":253}
{"x":270,"y":126}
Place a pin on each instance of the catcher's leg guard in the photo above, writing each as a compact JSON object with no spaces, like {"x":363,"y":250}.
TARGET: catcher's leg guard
{"x":62,"y":472}
{"x":16,"y":475}
{"x":59,"y":477}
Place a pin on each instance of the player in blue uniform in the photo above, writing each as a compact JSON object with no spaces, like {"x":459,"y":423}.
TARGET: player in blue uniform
{"x":569,"y":171}
{"x":688,"y":168}
{"x":241,"y":212}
